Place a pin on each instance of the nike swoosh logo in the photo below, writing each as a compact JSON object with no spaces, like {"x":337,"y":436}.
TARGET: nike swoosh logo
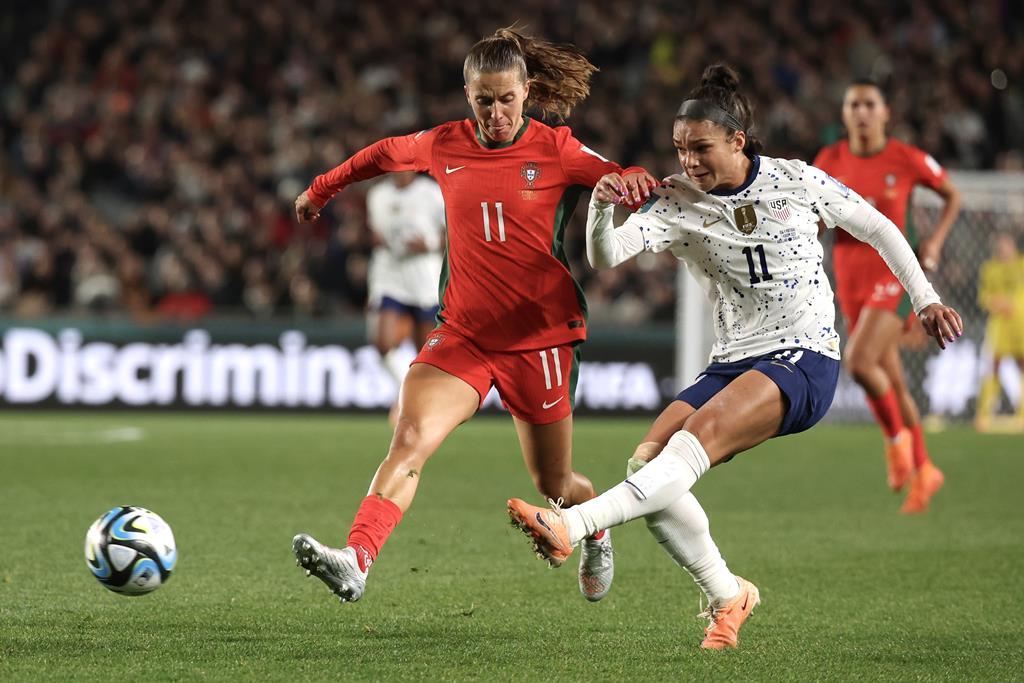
{"x":782,"y":365}
{"x":707,"y":225}
{"x":547,"y":405}
{"x":452,"y":170}
{"x":540,"y":520}
{"x":745,"y":601}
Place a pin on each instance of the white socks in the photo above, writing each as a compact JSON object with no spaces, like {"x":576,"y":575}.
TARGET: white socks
{"x":682,"y":529}
{"x":654,"y":488}
{"x":681,"y":526}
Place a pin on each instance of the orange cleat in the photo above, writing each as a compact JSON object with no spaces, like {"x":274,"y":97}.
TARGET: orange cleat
{"x":900,"y":458}
{"x":724,"y":629}
{"x":925,"y":484}
{"x":545,"y":527}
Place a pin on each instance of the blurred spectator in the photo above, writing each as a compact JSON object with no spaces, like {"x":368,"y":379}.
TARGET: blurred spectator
{"x":150,"y":151}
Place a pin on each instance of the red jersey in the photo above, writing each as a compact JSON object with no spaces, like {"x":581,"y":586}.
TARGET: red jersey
{"x":886,"y":180}
{"x":505,"y":283}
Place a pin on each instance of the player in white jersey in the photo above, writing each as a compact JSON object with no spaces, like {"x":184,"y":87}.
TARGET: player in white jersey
{"x":406,"y":214}
{"x":746,"y":227}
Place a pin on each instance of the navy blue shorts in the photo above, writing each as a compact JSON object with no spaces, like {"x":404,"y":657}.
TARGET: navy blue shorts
{"x":421,"y":315}
{"x":807,"y":380}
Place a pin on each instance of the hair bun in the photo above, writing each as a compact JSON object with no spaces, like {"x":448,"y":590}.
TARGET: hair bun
{"x":720,"y":76}
{"x":510,"y":35}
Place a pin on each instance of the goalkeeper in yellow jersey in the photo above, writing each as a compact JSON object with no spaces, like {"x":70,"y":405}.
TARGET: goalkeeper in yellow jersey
{"x":1001,"y":293}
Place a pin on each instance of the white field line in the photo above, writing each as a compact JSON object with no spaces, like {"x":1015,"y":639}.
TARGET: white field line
{"x":55,"y":435}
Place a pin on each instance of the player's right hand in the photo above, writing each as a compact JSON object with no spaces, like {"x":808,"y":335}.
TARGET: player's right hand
{"x":632,"y":190}
{"x":305,"y":210}
{"x":638,"y":188}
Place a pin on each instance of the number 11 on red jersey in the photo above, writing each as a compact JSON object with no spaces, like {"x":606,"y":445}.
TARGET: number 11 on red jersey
{"x":487,"y":221}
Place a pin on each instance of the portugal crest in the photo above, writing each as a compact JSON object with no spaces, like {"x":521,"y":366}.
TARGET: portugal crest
{"x":530,"y":172}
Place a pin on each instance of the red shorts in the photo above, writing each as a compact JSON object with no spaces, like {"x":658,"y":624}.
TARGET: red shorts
{"x":884,"y":292}
{"x":536,"y":386}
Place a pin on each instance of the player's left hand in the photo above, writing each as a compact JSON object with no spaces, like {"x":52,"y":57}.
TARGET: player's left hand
{"x":928,"y":254}
{"x":941,"y":322}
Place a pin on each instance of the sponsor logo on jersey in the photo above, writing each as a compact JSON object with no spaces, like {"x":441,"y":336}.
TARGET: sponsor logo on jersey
{"x":746,"y":219}
{"x":779,"y":209}
{"x":434,"y":342}
{"x":890,"y":179}
{"x":530,"y":172}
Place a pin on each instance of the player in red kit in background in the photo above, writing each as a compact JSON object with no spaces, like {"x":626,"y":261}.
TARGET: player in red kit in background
{"x":884,"y":171}
{"x":511,"y":315}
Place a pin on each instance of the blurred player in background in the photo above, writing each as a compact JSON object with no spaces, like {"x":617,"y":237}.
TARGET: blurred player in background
{"x":746,"y":226}
{"x":885,"y":171}
{"x":406,"y":215}
{"x":1001,"y":294}
{"x":511,"y":314}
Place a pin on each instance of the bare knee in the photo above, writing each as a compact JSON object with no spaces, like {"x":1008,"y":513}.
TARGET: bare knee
{"x":411,"y":443}
{"x":706,"y":427}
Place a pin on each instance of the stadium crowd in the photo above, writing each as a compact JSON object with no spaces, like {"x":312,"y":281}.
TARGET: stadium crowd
{"x":150,"y":151}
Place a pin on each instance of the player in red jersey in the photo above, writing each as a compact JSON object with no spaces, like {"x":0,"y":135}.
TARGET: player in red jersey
{"x":884,"y":171}
{"x":511,"y":314}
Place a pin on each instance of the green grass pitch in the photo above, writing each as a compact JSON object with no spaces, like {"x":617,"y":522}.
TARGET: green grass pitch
{"x":851,"y":590}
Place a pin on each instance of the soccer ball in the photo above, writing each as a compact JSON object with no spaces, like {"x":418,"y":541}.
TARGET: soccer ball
{"x":130,"y":550}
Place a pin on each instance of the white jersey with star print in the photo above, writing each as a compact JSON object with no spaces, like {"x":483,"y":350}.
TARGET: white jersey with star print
{"x":755,"y":249}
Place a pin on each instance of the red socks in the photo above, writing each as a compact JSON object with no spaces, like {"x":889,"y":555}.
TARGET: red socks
{"x":920,"y":451}
{"x":374,"y":522}
{"x":887,"y":412}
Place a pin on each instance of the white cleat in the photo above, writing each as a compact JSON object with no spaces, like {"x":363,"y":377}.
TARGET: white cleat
{"x":597,"y":568}
{"x":336,"y":567}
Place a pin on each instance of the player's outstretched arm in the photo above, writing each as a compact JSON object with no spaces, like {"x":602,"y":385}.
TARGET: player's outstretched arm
{"x":608,"y":246}
{"x":403,"y":153}
{"x":868,"y":224}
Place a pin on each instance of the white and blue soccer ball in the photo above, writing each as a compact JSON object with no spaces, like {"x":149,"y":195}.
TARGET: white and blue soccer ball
{"x":130,"y":550}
